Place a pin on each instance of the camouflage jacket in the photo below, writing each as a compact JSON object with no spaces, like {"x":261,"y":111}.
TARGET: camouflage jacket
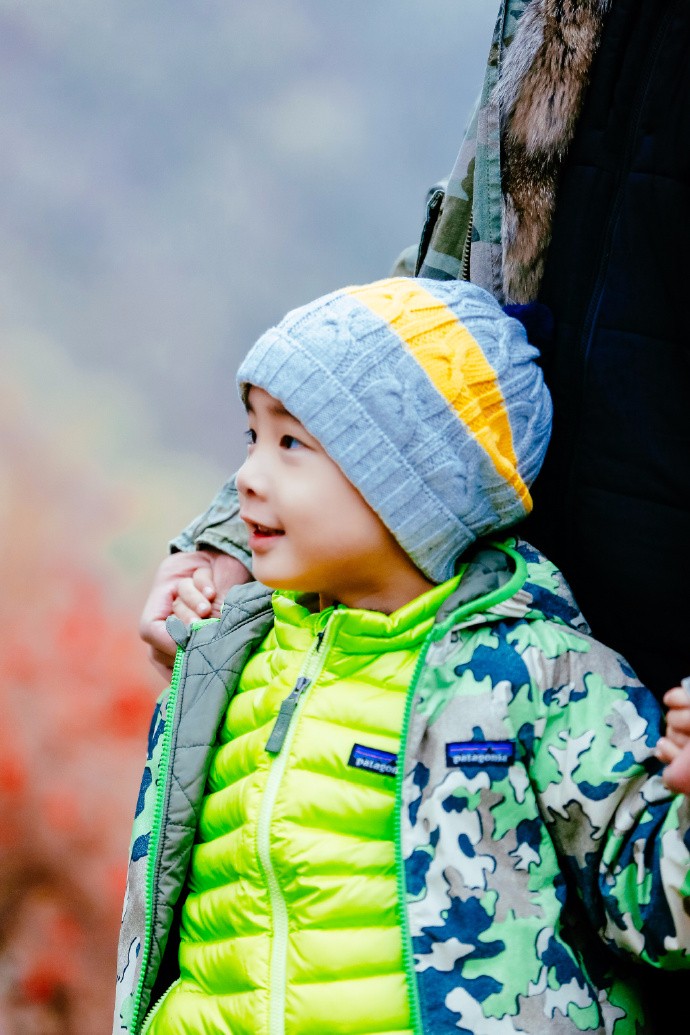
{"x":539,"y":856}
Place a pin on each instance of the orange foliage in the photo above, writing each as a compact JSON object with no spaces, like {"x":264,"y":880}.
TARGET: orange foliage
{"x":75,"y":698}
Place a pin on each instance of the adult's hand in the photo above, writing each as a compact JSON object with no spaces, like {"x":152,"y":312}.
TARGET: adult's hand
{"x":191,"y":585}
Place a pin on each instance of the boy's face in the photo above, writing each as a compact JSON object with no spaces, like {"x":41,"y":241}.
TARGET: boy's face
{"x":309,"y":528}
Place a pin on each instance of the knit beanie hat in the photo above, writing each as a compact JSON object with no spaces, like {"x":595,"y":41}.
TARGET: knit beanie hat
{"x":427,"y":396}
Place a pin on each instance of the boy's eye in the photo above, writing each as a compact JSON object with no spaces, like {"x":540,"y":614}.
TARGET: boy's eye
{"x":250,"y":436}
{"x":290,"y":442}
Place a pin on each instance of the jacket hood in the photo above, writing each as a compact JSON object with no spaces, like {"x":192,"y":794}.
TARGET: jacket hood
{"x":511,"y":580}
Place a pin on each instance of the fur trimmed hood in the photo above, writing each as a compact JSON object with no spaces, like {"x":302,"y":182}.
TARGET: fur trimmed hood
{"x":494,"y":226}
{"x":539,"y":95}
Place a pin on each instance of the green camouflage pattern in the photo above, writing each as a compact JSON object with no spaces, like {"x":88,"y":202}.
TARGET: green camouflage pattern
{"x":521,"y":874}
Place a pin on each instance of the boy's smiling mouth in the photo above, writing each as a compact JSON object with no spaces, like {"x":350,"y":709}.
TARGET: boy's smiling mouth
{"x":264,"y":531}
{"x":258,"y":531}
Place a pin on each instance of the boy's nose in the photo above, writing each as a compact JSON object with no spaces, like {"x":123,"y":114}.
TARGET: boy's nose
{"x":248,"y":478}
{"x":241,"y":479}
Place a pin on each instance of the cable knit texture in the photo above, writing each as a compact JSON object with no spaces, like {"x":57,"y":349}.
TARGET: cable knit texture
{"x":427,"y":396}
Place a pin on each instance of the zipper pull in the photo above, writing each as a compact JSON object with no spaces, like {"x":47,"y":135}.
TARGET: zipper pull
{"x":287,"y":710}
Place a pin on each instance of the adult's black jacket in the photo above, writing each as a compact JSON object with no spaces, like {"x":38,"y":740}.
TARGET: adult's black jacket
{"x":612,"y":505}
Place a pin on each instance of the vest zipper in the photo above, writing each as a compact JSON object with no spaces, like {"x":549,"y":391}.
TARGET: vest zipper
{"x":155,"y":1008}
{"x":155,"y":831}
{"x":289,"y":705}
{"x":159,"y":809}
{"x":284,"y":735}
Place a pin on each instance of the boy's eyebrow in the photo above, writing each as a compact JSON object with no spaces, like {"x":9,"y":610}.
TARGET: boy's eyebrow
{"x":275,"y":407}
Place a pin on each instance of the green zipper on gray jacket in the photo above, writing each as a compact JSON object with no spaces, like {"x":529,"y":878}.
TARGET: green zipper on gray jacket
{"x":151,"y":861}
{"x":154,"y":841}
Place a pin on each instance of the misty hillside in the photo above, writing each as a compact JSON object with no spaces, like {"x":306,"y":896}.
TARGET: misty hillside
{"x":175,"y":176}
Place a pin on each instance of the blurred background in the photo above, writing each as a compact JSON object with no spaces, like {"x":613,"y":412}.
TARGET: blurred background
{"x":173,"y":177}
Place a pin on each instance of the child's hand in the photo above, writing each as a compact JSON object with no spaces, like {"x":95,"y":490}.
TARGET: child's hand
{"x":201,"y":594}
{"x":190,"y":585}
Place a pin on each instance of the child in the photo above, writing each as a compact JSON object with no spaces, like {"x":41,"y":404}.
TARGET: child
{"x":407,"y":792}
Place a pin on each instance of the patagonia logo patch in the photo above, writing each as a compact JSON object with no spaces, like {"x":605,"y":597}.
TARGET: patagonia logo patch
{"x":374,"y":760}
{"x":480,"y":752}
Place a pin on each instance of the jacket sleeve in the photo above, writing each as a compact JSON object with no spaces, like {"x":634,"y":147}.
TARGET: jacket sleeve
{"x":219,"y":526}
{"x":621,"y":835}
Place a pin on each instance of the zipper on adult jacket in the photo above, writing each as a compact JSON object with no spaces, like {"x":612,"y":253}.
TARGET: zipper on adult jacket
{"x":282,"y":737}
{"x":466,"y":250}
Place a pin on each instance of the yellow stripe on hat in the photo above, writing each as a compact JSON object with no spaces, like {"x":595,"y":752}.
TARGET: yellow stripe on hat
{"x":454,"y":363}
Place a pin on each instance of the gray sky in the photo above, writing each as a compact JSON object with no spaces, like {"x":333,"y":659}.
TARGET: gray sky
{"x":174,"y":176}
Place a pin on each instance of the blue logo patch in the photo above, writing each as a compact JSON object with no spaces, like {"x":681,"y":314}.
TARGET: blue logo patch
{"x":480,"y":752}
{"x":374,"y":760}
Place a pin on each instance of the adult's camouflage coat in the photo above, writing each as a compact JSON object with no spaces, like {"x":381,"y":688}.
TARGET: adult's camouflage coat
{"x":541,"y":861}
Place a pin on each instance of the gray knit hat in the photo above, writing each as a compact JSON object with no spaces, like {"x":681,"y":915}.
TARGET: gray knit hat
{"x":427,"y":396}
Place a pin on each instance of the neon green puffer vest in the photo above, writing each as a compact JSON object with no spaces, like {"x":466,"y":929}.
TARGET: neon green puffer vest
{"x":291,"y":924}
